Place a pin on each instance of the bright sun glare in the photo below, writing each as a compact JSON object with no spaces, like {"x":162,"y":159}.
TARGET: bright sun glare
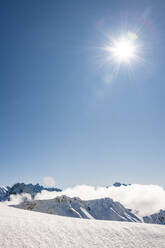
{"x":123,"y":50}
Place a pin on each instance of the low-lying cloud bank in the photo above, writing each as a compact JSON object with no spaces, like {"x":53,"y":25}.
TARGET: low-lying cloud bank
{"x":142,"y":199}
{"x":17,"y":199}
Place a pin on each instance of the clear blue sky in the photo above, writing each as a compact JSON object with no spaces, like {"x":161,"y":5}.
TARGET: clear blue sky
{"x":58,"y":116}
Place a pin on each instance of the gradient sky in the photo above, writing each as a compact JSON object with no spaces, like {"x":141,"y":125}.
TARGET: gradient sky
{"x":59,"y":116}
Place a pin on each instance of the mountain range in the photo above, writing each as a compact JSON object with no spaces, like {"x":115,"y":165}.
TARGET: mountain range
{"x":102,"y":209}
{"x":20,"y":188}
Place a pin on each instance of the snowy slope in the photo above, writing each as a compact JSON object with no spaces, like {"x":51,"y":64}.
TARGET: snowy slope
{"x":102,"y":209}
{"x":26,"y":229}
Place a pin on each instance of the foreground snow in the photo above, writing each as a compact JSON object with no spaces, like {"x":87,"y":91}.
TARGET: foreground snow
{"x":22,"y":228}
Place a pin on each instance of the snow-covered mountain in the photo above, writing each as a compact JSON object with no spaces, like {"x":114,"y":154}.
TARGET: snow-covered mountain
{"x":19,"y":188}
{"x":118,"y":184}
{"x":157,"y":218}
{"x":4,"y":193}
{"x":20,"y":228}
{"x":102,"y":209}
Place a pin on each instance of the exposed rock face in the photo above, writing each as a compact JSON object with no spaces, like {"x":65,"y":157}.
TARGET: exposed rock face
{"x":4,"y":192}
{"x":157,"y":218}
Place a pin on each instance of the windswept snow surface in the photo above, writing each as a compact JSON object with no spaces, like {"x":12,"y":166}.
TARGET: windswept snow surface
{"x":26,"y":229}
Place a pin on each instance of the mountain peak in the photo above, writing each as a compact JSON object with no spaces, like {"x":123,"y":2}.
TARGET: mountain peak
{"x":19,"y":188}
{"x":118,"y":184}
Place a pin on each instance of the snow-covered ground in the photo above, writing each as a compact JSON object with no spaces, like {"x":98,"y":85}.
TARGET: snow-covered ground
{"x":26,"y":229}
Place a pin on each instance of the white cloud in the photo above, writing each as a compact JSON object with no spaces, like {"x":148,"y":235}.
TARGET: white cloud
{"x":49,"y":181}
{"x":17,"y":199}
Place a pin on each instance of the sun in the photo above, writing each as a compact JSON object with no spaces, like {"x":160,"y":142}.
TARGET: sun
{"x":123,"y":50}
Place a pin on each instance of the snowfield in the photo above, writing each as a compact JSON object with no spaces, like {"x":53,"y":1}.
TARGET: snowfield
{"x":22,"y":228}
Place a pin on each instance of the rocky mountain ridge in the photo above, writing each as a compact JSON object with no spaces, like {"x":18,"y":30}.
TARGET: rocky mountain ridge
{"x":20,"y":188}
{"x":102,"y":209}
